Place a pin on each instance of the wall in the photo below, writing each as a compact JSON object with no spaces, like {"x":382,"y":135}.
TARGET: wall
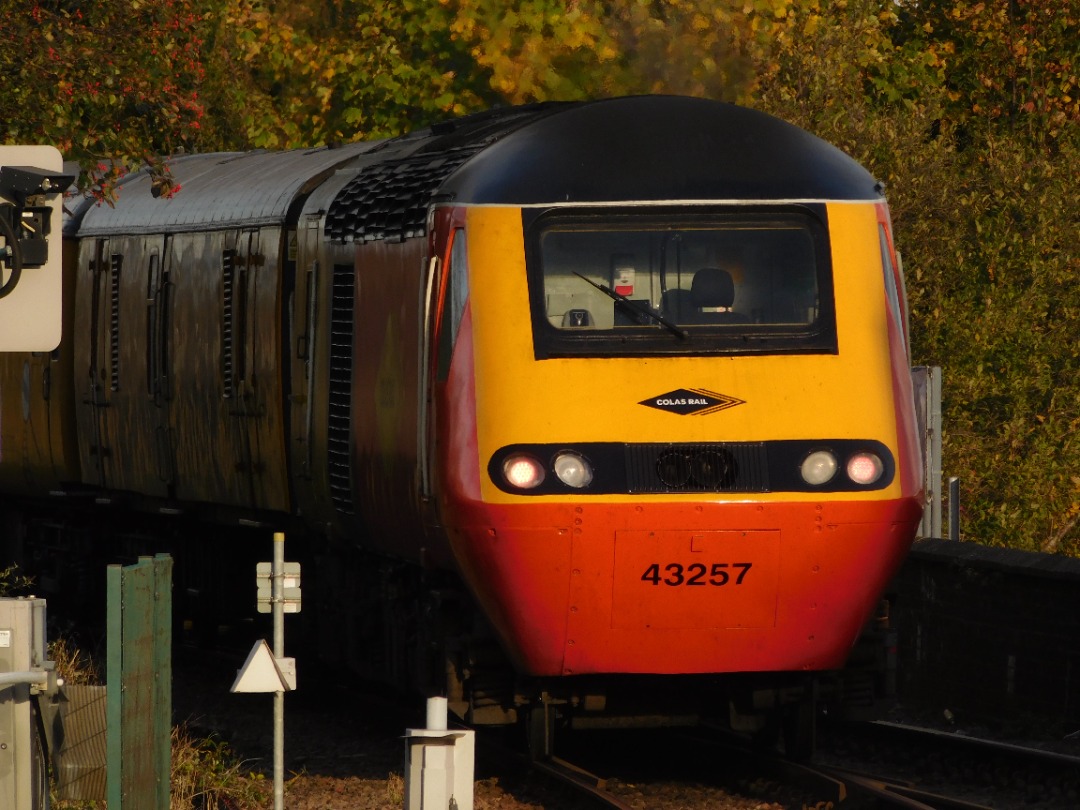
{"x":992,"y":635}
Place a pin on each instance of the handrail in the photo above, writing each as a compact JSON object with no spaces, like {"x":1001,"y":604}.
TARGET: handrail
{"x":18,"y":678}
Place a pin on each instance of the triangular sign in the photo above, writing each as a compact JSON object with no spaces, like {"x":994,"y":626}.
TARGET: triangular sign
{"x":261,"y":672}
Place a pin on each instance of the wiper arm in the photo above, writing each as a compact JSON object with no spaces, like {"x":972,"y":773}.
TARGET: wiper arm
{"x":641,"y":309}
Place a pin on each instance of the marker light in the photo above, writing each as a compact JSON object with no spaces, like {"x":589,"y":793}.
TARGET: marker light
{"x":819,"y":467}
{"x":523,"y":471}
{"x":573,"y":470}
{"x":864,"y":468}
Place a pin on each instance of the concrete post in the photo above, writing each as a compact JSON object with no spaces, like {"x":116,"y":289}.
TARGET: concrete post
{"x":440,"y":764}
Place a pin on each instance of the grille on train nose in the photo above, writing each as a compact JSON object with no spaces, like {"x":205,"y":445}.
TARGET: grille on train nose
{"x":729,"y":467}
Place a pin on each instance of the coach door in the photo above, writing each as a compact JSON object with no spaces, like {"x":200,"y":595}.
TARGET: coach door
{"x":157,"y":365}
{"x":257,"y":409}
{"x":92,"y":361}
{"x":123,"y":412}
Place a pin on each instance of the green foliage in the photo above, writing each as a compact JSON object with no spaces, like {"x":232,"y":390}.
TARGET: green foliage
{"x":346,"y":70}
{"x":985,"y":208}
{"x":12,"y":583}
{"x":1003,"y":317}
{"x":541,"y":50}
{"x":206,"y":774}
{"x":1013,"y":64}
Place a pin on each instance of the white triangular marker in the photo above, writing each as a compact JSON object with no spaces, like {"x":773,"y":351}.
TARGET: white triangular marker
{"x":262,"y":673}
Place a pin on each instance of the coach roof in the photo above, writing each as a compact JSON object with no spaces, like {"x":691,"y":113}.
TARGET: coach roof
{"x":623,"y":150}
{"x":218,"y":190}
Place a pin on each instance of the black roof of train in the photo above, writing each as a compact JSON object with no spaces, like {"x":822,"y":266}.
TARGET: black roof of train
{"x":656,"y":148}
{"x":633,"y":149}
{"x":219,"y":190}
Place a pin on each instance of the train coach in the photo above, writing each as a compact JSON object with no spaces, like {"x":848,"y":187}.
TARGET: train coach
{"x":595,"y":413}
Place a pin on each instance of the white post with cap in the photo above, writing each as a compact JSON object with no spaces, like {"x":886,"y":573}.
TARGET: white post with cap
{"x":440,"y":763}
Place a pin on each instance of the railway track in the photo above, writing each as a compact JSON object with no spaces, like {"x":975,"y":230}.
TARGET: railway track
{"x":684,"y":771}
{"x":927,"y":768}
{"x":907,"y":768}
{"x":857,"y":790}
{"x":582,"y":781}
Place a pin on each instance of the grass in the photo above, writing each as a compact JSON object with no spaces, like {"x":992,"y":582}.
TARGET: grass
{"x":206,"y":773}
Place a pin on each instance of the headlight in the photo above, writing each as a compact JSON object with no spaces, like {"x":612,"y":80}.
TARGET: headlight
{"x":818,"y":468}
{"x":573,"y":470}
{"x":864,"y":468}
{"x":523,"y":471}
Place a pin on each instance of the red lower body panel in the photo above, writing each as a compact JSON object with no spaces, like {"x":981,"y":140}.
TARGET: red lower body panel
{"x":682,"y":588}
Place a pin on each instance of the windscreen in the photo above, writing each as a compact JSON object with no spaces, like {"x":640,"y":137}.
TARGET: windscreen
{"x":734,"y":281}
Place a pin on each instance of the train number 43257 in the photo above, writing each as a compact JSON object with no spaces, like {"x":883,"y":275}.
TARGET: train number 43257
{"x":717,"y":574}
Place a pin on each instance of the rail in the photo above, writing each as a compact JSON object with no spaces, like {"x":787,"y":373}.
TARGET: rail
{"x":580,"y":779}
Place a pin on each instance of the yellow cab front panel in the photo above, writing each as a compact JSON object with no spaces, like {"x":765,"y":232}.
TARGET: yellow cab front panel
{"x":682,"y":435}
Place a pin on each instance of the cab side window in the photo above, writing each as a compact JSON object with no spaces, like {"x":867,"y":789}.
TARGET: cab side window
{"x":453,"y":305}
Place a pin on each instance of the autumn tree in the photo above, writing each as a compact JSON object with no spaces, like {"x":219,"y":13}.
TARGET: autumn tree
{"x":990,"y":210}
{"x":541,"y":50}
{"x":113,"y":84}
{"x":344,"y":70}
{"x":341,"y":70}
{"x":1014,"y":64}
{"x":967,"y":112}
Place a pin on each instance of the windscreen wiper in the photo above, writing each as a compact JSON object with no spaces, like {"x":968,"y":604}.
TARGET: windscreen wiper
{"x":637,"y":307}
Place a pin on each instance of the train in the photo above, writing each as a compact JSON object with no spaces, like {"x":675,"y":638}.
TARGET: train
{"x":584,"y":413}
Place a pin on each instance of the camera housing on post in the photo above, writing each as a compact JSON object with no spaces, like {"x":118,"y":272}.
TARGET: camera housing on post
{"x":31,"y":223}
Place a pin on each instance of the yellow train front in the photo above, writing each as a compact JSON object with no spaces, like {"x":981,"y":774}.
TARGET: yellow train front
{"x":675,"y":419}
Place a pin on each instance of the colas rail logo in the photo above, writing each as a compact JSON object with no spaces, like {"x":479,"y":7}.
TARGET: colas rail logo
{"x":696,"y":401}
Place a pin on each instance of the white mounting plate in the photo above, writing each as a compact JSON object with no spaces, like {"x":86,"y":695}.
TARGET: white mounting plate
{"x":30,"y":316}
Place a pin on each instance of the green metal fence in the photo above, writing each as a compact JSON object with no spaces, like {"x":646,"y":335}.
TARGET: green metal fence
{"x":140,"y":684}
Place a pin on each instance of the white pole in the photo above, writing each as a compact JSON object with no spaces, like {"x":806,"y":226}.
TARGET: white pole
{"x":277,"y":577}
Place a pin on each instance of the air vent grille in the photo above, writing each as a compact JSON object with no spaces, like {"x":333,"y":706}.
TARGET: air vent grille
{"x":728,"y":467}
{"x":339,"y":429}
